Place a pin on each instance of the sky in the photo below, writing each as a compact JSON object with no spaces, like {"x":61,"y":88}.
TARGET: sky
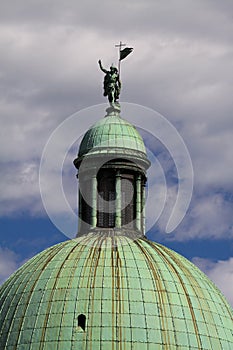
{"x":181,"y":67}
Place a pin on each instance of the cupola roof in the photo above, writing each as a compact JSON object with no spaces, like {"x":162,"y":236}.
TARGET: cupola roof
{"x":112,"y":135}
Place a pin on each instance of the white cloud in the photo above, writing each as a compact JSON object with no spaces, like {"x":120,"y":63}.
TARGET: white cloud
{"x":19,"y":188}
{"x":180,"y":65}
{"x":220,"y":272}
{"x":9,"y":262}
{"x":210,"y":216}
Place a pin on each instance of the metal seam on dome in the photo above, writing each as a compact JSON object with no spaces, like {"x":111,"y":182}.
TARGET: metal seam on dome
{"x":6,"y":288}
{"x":167,"y":260}
{"x":83,"y":245}
{"x":102,"y":294}
{"x":89,"y":300}
{"x":17,"y":303}
{"x":51,"y":296}
{"x":177,"y":292}
{"x":115,"y":138}
{"x":201,"y":308}
{"x":92,"y":136}
{"x":140,"y":281}
{"x":186,"y":293}
{"x":4,"y":321}
{"x":10,"y":282}
{"x":71,"y":277}
{"x":101,"y":136}
{"x":42,"y":302}
{"x":127,"y":281}
{"x":94,"y":254}
{"x":116,"y":262}
{"x":121,"y":133}
{"x":32,"y":289}
{"x":211,"y":285}
{"x":157,"y":282}
{"x":167,"y":294}
{"x":187,"y":274}
{"x":188,"y":299}
{"x":86,"y":303}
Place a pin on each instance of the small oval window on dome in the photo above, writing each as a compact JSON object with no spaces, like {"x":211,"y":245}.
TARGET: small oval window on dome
{"x":82,"y":322}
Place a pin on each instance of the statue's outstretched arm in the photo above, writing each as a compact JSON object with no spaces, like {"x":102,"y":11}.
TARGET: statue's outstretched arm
{"x":102,"y":68}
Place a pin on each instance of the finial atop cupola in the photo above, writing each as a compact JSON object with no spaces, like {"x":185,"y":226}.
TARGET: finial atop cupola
{"x":112,"y":164}
{"x":112,"y":83}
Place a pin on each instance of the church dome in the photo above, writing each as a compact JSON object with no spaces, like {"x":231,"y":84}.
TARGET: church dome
{"x":110,"y":292}
{"x":112,"y":134}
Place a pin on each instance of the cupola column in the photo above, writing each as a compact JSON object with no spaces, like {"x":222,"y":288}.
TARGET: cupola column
{"x":79,"y":211}
{"x":144,"y":206}
{"x":94,"y":201}
{"x":118,"y":199}
{"x":138,"y":202}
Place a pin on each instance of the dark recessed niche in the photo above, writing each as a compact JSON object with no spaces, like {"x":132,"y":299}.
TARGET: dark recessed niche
{"x":82,"y":321}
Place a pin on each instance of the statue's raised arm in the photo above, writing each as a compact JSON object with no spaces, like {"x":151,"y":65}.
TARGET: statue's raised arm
{"x":102,"y":68}
{"x":112,"y":84}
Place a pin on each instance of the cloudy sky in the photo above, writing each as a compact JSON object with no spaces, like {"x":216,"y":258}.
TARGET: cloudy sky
{"x":181,"y":67}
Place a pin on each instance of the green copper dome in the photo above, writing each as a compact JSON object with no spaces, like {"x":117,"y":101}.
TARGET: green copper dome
{"x":99,"y":292}
{"x":112,"y":134}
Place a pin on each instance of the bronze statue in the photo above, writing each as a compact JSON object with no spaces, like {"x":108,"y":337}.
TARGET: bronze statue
{"x":112,"y":84}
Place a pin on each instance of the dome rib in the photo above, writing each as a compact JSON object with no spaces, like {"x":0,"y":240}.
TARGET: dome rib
{"x":18,"y":298}
{"x":178,"y":265}
{"x":174,"y":268}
